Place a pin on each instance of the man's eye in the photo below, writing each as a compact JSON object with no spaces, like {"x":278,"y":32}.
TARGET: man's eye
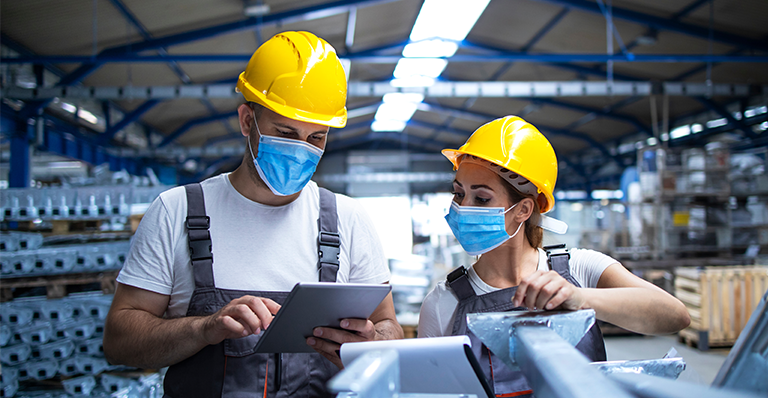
{"x":316,"y":137}
{"x":481,"y":200}
{"x":457,"y":194}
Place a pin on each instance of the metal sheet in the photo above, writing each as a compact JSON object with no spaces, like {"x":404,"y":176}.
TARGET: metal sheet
{"x":666,"y":367}
{"x":495,"y":328}
{"x":555,"y":369}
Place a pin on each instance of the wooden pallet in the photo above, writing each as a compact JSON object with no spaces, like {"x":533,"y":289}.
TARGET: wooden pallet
{"x":57,"y":286}
{"x":720,"y":301}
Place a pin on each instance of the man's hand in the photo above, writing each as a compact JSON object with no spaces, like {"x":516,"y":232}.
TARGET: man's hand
{"x":547,"y":290}
{"x":328,"y":341}
{"x":241,"y":317}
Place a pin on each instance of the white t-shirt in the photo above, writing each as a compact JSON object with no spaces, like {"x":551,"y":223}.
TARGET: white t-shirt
{"x":439,"y":307}
{"x":255,"y":247}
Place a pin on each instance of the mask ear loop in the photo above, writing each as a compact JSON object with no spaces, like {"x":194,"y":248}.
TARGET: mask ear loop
{"x":250,"y":148}
{"x":519,"y":226}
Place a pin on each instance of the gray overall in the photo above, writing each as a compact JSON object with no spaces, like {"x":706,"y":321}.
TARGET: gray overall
{"x":230,"y":368}
{"x":507,"y":383}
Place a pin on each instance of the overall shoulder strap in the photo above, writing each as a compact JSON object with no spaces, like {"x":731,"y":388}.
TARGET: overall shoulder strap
{"x":328,"y":239}
{"x":198,"y":236}
{"x":458,"y":280}
{"x":558,"y":258}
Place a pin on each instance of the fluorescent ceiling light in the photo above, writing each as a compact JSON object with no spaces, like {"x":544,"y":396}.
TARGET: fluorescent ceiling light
{"x":696,"y":128}
{"x":403,"y":97}
{"x":447,"y":19}
{"x":396,"y":111}
{"x":256,"y":10}
{"x":681,"y":131}
{"x":427,"y":67}
{"x":68,"y":107}
{"x":413,"y":81}
{"x":430,"y":48}
{"x":87,"y":116}
{"x":717,"y":123}
{"x":388,"y":125}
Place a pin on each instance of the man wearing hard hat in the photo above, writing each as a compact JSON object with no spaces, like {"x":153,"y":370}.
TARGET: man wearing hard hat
{"x":175,"y":306}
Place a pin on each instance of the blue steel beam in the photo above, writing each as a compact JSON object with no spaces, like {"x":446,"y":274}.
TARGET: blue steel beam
{"x":720,"y":110}
{"x":127,"y":119}
{"x":601,"y":112}
{"x":462,"y":113}
{"x":173,"y":65}
{"x":688,"y":9}
{"x":665,"y":24}
{"x":393,"y":59}
{"x":192,"y":123}
{"x":424,"y":143}
{"x":532,"y":42}
{"x":311,"y":12}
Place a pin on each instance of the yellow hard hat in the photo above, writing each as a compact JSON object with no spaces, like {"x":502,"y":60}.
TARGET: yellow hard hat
{"x":516,"y":145}
{"x":299,"y":76}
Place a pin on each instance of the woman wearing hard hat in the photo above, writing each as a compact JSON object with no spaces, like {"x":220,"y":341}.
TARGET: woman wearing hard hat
{"x":505,"y":176}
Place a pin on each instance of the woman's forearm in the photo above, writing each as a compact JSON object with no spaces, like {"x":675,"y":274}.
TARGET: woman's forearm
{"x":641,"y":310}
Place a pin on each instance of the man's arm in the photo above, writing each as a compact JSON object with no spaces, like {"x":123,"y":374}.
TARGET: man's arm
{"x":382,"y":325}
{"x":135,"y":333}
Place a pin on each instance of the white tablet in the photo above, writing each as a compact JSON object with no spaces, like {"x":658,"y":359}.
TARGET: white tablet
{"x":310,"y":305}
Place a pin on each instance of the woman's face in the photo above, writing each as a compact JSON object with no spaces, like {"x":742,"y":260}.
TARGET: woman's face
{"x":475,"y":185}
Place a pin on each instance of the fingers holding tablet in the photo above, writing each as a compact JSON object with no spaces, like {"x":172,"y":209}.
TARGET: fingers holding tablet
{"x":241,"y":317}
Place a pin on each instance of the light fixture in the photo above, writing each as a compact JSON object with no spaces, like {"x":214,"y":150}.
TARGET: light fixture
{"x":447,"y":19}
{"x":256,"y":10}
{"x":403,"y":97}
{"x":427,"y":67}
{"x":388,"y":125}
{"x":401,"y":111}
{"x":430,"y":48}
{"x":412,"y":81}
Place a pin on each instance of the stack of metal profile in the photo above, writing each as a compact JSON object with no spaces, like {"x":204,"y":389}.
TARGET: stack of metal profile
{"x":43,"y":338}
{"x":37,"y":260}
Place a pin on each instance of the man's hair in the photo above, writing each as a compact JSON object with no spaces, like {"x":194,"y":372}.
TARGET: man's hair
{"x":257,"y":108}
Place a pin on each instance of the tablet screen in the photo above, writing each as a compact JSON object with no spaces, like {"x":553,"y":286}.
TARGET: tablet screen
{"x":310,"y":305}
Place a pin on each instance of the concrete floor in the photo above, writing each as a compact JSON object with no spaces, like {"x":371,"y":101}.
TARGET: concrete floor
{"x":701,"y":366}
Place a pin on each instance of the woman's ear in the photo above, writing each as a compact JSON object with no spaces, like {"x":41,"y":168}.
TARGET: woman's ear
{"x":526,"y":210}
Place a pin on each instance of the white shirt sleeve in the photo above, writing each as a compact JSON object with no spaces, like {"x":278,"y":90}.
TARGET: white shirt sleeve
{"x":367,"y":261}
{"x":437,"y":312}
{"x":588,"y":265}
{"x":149,"y":264}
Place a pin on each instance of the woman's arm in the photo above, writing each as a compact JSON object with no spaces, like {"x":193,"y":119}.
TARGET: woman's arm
{"x":620,"y":298}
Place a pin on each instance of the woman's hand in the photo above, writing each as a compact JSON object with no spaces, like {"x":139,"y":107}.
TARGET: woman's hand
{"x":547,"y":290}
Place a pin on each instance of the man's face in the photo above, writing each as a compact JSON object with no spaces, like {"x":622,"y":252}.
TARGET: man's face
{"x":274,"y":124}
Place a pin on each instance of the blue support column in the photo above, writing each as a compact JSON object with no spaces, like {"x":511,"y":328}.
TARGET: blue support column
{"x":19,"y":174}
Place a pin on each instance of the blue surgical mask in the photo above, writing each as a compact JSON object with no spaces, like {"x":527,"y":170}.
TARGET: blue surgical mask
{"x":479,"y":229}
{"x":284,"y":164}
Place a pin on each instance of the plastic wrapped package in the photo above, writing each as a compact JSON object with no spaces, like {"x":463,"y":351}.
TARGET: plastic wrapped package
{"x":92,"y":347}
{"x":28,"y":240}
{"x":111,"y":383}
{"x":19,"y":263}
{"x":5,"y":335}
{"x":9,"y":380}
{"x":83,"y":385}
{"x":15,"y":354}
{"x":57,"y":350}
{"x":56,"y":311}
{"x":90,"y":365}
{"x":68,"y":367}
{"x":98,"y":308}
{"x":76,"y":330}
{"x":56,"y":260}
{"x":8,"y":242}
{"x":13,"y":314}
{"x":43,"y":369}
{"x":37,"y":333}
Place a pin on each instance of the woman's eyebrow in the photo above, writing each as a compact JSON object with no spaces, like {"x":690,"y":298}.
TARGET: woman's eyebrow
{"x":482,"y":186}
